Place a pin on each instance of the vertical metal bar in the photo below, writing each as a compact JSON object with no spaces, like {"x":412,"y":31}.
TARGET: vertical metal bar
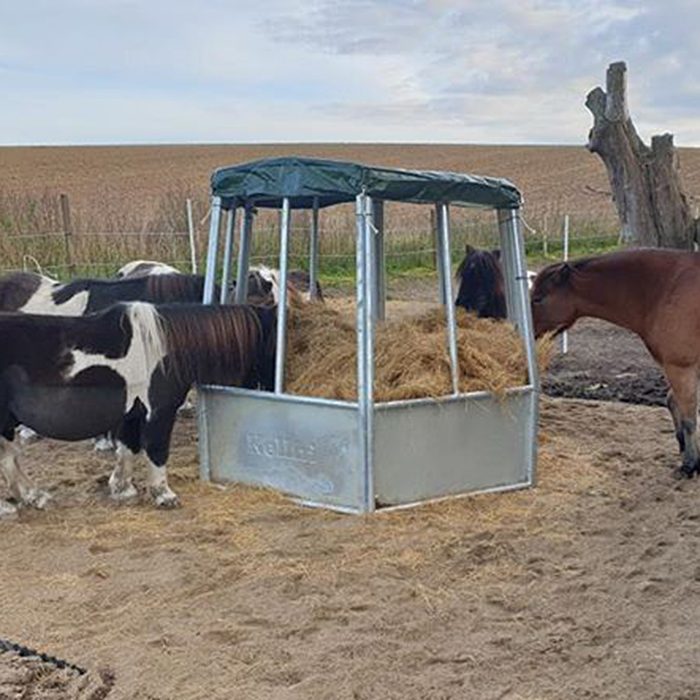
{"x":511,"y":233}
{"x":68,"y":233}
{"x":241,"y":295}
{"x":365,"y":344}
{"x":436,"y":220}
{"x":516,"y":281}
{"x":447,"y":282}
{"x":282,"y":303}
{"x":379,"y":286}
{"x":190,"y":231}
{"x":565,"y":334}
{"x":228,"y":252}
{"x":507,"y":263}
{"x":313,"y":252}
{"x":212,"y":250}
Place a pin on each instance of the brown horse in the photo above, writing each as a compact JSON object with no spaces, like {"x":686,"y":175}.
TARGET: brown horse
{"x":656,"y":294}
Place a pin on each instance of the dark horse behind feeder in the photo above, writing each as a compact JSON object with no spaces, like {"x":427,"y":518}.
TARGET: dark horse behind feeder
{"x":124,"y":371}
{"x":654,"y":293}
{"x":481,"y":286}
{"x":481,"y":283}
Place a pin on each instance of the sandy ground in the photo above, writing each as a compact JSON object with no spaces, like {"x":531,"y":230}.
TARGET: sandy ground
{"x":587,"y":586}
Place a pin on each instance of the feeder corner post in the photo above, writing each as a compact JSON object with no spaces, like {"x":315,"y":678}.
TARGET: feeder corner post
{"x":365,"y":343}
{"x":281,"y":353}
{"x":445,"y":263}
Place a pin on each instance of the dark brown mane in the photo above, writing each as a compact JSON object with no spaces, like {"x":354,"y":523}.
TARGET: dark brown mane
{"x":481,"y":284}
{"x":174,"y":288}
{"x":558,"y":274}
{"x":217,"y":344}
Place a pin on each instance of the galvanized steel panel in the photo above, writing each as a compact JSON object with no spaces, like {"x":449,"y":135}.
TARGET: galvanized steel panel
{"x":426,"y":450}
{"x":309,"y":449}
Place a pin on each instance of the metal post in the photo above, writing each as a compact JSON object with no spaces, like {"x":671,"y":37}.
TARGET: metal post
{"x":565,"y":334}
{"x":212,"y":251}
{"x":228,"y":252}
{"x":241,"y":295}
{"x":513,"y":250}
{"x":507,"y":264}
{"x":68,"y":233}
{"x":313,"y":252}
{"x":190,"y":231}
{"x":437,"y":237}
{"x":282,"y":303}
{"x":365,"y":343}
{"x":447,"y":282}
{"x":379,"y":286}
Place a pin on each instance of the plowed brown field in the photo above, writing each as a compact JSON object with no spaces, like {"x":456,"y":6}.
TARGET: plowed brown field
{"x":549,"y":176}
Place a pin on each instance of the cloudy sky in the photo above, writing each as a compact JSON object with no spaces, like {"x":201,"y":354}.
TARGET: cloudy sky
{"x":461,"y":71}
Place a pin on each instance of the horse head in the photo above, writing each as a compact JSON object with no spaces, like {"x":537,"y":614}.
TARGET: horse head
{"x":481,"y":283}
{"x":552,"y":299}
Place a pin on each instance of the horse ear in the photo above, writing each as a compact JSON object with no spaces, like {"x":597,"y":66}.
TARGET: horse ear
{"x":564,"y":274}
{"x":469,"y":249}
{"x":496,"y":252}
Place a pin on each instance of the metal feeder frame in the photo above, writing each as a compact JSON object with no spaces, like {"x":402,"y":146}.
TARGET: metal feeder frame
{"x":361,"y":456}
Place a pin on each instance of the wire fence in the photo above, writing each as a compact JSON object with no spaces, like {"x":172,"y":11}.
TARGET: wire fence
{"x":409,"y":244}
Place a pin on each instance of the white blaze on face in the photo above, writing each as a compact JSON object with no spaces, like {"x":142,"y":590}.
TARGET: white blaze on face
{"x":146,"y":351}
{"x":272,"y":277}
{"x":41,"y":302}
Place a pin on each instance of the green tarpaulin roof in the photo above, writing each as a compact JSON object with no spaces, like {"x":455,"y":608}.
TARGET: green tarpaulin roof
{"x":264,"y":183}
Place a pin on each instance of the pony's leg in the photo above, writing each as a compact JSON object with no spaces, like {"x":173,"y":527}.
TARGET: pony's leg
{"x":672,"y":406}
{"x":106,"y":443}
{"x":21,"y":487}
{"x":684,"y":386}
{"x":121,"y":486}
{"x":157,"y":432}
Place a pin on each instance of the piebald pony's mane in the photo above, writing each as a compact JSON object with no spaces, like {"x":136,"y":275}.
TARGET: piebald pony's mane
{"x":214,"y":344}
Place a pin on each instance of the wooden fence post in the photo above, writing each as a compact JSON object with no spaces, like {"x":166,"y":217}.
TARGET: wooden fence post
{"x":68,"y":233}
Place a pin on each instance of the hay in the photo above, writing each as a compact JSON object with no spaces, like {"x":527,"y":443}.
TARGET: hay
{"x":411,"y":355}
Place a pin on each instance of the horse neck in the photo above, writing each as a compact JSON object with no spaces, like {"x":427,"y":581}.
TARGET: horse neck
{"x":610,"y":290}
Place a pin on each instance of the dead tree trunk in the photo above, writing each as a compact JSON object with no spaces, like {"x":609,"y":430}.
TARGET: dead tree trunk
{"x":645,"y":181}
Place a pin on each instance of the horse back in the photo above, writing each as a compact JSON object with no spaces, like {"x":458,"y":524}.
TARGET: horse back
{"x":17,"y":288}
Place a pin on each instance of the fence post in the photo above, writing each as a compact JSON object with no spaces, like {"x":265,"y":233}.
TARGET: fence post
{"x":67,"y":233}
{"x":565,"y":335}
{"x":190,"y":230}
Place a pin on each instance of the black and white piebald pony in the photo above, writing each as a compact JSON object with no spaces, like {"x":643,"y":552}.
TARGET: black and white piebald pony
{"x":481,"y":286}
{"x":143,"y":268}
{"x":264,"y":283}
{"x":27,"y":292}
{"x":125,"y":371}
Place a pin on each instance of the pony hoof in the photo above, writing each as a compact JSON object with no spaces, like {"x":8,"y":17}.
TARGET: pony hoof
{"x":26,"y":435}
{"x":104,"y":444}
{"x":7,"y":510}
{"x":125,"y":493}
{"x":37,"y":499}
{"x":165,"y":499}
{"x":688,"y":471}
